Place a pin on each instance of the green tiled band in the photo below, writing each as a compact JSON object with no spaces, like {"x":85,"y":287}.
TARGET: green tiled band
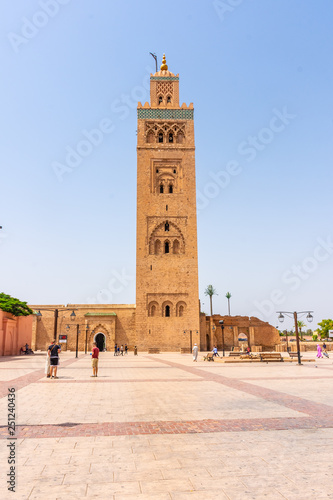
{"x":165,"y":78}
{"x":165,"y":114}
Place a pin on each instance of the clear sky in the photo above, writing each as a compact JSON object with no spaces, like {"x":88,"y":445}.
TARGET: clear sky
{"x":260,"y":75}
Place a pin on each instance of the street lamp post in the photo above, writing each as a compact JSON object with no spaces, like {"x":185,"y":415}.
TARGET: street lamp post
{"x":85,"y":347}
{"x":295,"y":314}
{"x":73,"y":316}
{"x":77,"y":339}
{"x":56,"y":315}
{"x":221,"y":322}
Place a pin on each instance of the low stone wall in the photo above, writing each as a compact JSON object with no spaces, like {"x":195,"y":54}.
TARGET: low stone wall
{"x":304,"y":346}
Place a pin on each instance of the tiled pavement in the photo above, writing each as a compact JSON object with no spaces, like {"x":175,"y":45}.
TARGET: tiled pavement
{"x":163,"y":427}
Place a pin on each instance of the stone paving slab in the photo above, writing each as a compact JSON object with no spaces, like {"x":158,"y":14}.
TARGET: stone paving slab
{"x":177,"y":430}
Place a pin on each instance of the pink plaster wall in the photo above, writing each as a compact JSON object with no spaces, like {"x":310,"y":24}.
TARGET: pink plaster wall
{"x":15,"y":332}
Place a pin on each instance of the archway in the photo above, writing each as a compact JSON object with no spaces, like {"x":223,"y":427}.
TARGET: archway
{"x":243,"y":341}
{"x":100,"y":340}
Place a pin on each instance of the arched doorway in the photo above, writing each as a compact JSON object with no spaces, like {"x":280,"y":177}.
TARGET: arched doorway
{"x":100,"y":341}
{"x":243,"y":341}
{"x":208,"y":342}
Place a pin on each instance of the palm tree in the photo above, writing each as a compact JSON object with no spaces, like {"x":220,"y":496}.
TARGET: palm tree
{"x":210,"y":291}
{"x":300,"y":325}
{"x":228,"y":295}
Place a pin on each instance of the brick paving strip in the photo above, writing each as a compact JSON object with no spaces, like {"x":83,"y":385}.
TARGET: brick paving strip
{"x":30,"y":378}
{"x":316,"y":410}
{"x":123,"y":381}
{"x":166,"y":427}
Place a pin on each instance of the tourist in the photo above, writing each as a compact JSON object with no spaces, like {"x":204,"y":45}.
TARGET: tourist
{"x":115,"y":350}
{"x":122,"y":350}
{"x":53,"y":351}
{"x":27,"y":348}
{"x":126,"y":349}
{"x":135,"y":351}
{"x":94,"y":359}
{"x":324,"y":346}
{"x":195,"y":352}
{"x":319,"y":353}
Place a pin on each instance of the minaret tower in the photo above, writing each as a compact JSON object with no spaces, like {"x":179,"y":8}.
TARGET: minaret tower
{"x":167,"y":300}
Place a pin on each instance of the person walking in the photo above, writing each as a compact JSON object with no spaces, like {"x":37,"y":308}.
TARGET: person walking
{"x":53,"y":351}
{"x":126,"y":349}
{"x":195,"y":352}
{"x":115,"y":350}
{"x":215,"y":353}
{"x":122,"y":350}
{"x":319,"y":353}
{"x":94,"y":359}
{"x":135,"y":351}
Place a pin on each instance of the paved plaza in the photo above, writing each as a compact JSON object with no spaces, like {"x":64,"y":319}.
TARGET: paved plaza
{"x":163,"y":427}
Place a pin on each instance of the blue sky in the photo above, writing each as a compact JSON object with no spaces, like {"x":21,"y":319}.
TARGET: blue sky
{"x":260,"y":75}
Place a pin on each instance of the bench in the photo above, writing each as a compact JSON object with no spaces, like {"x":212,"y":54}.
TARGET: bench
{"x":234,"y":354}
{"x":209,"y":357}
{"x":153,"y":350}
{"x":293,"y":355}
{"x":271,"y":356}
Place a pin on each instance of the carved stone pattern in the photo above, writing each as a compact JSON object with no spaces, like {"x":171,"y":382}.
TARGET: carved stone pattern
{"x":164,"y":88}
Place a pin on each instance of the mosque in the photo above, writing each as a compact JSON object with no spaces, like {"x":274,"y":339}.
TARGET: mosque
{"x":166,"y":315}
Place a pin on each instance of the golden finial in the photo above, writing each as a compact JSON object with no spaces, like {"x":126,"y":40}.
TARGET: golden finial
{"x":164,"y":66}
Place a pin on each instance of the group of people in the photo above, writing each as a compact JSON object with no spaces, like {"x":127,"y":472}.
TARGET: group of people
{"x":322,"y":351}
{"x":52,"y":360}
{"x":27,"y":350}
{"x":119,"y":351}
{"x":53,"y":351}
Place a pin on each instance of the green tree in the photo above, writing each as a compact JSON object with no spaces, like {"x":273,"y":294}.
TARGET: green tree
{"x":14,"y":306}
{"x":210,"y":291}
{"x":325,"y":326}
{"x":228,"y":295}
{"x":300,"y":325}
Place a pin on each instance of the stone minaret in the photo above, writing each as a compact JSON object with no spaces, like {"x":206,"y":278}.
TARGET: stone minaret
{"x":167,"y":300}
